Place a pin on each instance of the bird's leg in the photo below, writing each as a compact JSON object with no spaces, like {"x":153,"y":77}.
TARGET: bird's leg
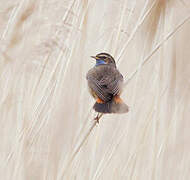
{"x":99,"y":115}
{"x":97,"y":118}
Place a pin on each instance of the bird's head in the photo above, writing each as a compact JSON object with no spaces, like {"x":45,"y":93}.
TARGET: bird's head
{"x":104,"y":58}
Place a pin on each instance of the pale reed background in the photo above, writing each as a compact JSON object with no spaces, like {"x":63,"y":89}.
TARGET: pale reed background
{"x":46,"y":110}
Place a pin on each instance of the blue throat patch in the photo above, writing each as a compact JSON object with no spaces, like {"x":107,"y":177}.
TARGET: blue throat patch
{"x":99,"y":62}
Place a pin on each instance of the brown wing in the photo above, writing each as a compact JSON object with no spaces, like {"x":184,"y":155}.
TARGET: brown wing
{"x":105,"y":81}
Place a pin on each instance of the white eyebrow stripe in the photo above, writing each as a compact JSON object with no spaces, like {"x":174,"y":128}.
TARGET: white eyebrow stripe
{"x":102,"y":56}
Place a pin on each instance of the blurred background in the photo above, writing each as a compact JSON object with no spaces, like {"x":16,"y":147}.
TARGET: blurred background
{"x":46,"y":110}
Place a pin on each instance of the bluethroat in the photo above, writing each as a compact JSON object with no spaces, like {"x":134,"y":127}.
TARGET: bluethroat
{"x":105,"y":84}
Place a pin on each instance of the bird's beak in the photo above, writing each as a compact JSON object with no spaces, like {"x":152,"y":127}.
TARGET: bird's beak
{"x":94,"y":57}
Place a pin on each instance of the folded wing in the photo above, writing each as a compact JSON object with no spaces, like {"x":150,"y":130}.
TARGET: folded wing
{"x":105,"y":81}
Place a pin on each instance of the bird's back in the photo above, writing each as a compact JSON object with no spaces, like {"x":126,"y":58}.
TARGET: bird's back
{"x":105,"y":80}
{"x":104,"y":73}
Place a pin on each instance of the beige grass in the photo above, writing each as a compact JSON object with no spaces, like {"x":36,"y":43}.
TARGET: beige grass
{"x":46,"y":117}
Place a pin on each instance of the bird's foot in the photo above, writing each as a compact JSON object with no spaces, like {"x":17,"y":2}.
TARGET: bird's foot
{"x":99,"y":115}
{"x":97,"y":119}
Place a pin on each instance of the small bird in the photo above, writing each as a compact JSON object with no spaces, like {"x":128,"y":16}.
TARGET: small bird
{"x":105,"y":83}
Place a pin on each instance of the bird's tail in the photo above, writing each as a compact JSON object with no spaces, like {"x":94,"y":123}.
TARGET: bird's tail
{"x":116,"y":105}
